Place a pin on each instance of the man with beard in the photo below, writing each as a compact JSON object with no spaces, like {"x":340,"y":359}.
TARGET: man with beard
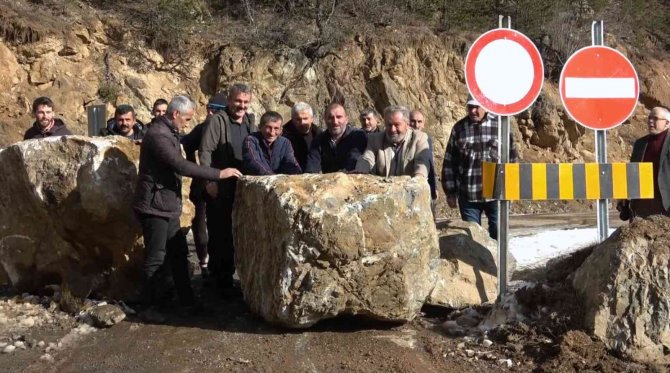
{"x":221,"y":147}
{"x":369,"y":122}
{"x":158,"y":203}
{"x":301,"y":131}
{"x":45,"y":124}
{"x":339,"y":147}
{"x":124,"y":124}
{"x":473,"y":140}
{"x":399,"y":150}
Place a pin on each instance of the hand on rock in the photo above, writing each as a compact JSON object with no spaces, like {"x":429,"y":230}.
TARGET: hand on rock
{"x":452,"y":201}
{"x":229,"y":172}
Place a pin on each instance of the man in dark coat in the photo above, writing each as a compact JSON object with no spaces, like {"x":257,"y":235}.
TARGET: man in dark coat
{"x":124,"y":124}
{"x":221,"y":147}
{"x":45,"y":124}
{"x":301,"y":131}
{"x":654,"y":148}
{"x":338,"y":148}
{"x":266,"y":152}
{"x":158,"y":204}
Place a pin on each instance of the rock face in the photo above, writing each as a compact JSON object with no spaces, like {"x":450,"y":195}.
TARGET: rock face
{"x":334,"y":244}
{"x":66,"y":217}
{"x":466,"y":273}
{"x":624,"y":286}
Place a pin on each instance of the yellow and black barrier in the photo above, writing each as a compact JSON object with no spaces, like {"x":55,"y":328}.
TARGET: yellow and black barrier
{"x":567,"y":181}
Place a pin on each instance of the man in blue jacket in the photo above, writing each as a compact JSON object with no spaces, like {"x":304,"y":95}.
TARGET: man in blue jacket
{"x":338,"y":148}
{"x":266,"y":152}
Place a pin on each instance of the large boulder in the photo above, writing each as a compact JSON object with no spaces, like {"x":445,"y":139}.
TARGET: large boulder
{"x":312,"y":247}
{"x":66,"y":217}
{"x":624,"y":286}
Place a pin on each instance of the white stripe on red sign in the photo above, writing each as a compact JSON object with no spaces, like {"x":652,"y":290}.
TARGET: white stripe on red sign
{"x":600,"y":88}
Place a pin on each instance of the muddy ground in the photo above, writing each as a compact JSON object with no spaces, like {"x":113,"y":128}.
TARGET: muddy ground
{"x":230,"y":338}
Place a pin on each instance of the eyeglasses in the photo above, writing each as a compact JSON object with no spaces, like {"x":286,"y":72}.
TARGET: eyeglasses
{"x":655,"y":119}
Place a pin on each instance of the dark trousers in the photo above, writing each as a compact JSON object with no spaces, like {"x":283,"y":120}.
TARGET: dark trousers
{"x":199,"y":227}
{"x":472,"y":211}
{"x":165,"y":259}
{"x":220,"y":245}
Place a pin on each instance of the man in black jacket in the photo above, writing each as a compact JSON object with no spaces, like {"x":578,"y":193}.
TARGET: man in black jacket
{"x":301,"y":131}
{"x":157,"y":202}
{"x":338,"y":148}
{"x":45,"y":124}
{"x":221,"y":146}
{"x":124,"y":124}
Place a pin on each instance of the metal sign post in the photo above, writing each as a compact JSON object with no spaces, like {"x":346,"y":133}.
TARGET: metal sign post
{"x":503,"y":205}
{"x":97,"y":119}
{"x":601,"y":147}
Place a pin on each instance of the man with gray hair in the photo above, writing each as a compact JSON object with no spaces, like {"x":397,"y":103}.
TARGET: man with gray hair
{"x":654,"y":148}
{"x":399,"y":150}
{"x":369,"y":122}
{"x":221,"y":147}
{"x":301,"y":130}
{"x":158,"y":203}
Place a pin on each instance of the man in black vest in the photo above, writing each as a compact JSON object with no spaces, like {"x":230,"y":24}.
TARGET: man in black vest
{"x":158,"y":204}
{"x":221,"y":147}
{"x":301,"y":131}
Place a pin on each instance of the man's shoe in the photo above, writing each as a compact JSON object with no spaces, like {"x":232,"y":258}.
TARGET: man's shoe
{"x":204,"y":273}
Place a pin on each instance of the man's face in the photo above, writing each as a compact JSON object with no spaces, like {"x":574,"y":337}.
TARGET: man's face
{"x":125,"y":122}
{"x":416,"y":121}
{"x":44,"y":115}
{"x":369,"y":122}
{"x":396,"y":127}
{"x":336,"y":121}
{"x":181,"y":121}
{"x":302,"y":121}
{"x":656,"y":122}
{"x":159,"y":110}
{"x":271,"y":130}
{"x":238,"y":105}
{"x":476,"y":113}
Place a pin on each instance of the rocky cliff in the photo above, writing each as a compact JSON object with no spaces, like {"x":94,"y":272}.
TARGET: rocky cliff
{"x":96,"y":59}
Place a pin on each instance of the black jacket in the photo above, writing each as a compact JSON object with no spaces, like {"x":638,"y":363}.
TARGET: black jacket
{"x":138,"y":130}
{"x":35,"y":132}
{"x":300,"y":148}
{"x":325,"y":157}
{"x":158,"y":190}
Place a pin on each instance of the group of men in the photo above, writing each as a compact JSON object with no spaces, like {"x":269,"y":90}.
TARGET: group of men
{"x":228,"y":144}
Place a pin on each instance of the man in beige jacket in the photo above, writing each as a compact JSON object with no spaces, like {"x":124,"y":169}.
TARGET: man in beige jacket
{"x":397,"y":151}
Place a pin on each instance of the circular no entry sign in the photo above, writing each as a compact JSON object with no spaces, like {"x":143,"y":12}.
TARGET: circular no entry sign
{"x":504,"y":71}
{"x":599,"y":87}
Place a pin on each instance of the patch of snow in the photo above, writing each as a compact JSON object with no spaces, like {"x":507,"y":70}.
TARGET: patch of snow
{"x":532,"y":250}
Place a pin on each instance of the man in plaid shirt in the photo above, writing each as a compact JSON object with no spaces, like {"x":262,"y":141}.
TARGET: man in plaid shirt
{"x":473,"y":140}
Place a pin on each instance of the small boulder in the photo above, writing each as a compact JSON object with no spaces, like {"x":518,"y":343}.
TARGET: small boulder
{"x":106,"y":315}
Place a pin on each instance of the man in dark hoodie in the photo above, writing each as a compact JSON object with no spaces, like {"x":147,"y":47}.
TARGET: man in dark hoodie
{"x":45,"y":124}
{"x":158,"y":205}
{"x":124,"y":124}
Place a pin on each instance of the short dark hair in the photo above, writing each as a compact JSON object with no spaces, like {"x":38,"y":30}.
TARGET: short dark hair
{"x":42,"y":101}
{"x":160,"y":101}
{"x":123,"y":109}
{"x":368,"y":111}
{"x":270,"y":116}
